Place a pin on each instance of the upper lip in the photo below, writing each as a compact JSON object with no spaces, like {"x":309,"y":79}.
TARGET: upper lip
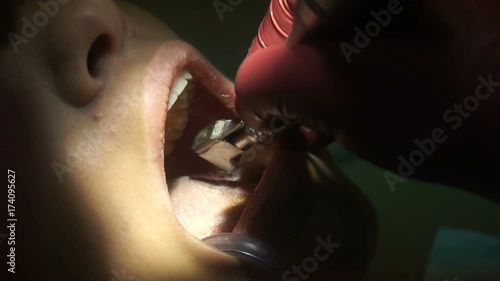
{"x":172,"y":58}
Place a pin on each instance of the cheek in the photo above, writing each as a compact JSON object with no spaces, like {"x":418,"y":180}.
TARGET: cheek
{"x":111,"y":133}
{"x":112,"y":130}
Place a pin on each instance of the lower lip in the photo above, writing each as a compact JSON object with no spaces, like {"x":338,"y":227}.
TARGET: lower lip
{"x":264,"y":208}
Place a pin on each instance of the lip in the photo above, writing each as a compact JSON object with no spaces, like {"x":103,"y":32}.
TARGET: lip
{"x":172,"y":58}
{"x":270,"y":198}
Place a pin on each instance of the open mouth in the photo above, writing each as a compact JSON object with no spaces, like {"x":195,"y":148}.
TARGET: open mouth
{"x":280,"y":198}
{"x":205,"y":199}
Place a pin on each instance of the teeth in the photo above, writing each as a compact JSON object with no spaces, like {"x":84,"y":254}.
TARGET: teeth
{"x":180,"y":99}
{"x":172,"y":135}
{"x":180,"y":83}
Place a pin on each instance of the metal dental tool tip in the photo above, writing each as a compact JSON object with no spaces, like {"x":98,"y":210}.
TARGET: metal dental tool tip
{"x":224,"y":141}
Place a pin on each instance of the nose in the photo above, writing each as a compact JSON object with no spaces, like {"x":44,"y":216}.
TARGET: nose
{"x":84,"y":38}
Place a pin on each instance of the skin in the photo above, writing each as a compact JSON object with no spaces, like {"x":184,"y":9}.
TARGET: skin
{"x":96,"y":120}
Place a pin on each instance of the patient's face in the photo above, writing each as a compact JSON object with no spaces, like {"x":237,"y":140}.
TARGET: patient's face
{"x":106,"y":176}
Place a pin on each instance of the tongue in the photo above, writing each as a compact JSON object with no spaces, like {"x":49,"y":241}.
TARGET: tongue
{"x":205,"y":208}
{"x":269,"y":211}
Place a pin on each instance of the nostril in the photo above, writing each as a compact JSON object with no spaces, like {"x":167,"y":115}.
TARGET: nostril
{"x":97,"y":54}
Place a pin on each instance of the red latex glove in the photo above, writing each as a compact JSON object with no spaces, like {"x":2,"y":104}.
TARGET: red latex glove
{"x":273,"y":68}
{"x":405,"y":100}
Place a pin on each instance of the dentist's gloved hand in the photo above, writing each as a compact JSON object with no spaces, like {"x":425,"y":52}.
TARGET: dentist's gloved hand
{"x":413,"y":88}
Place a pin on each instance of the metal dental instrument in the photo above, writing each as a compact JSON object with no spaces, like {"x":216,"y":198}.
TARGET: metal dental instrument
{"x":223,"y":142}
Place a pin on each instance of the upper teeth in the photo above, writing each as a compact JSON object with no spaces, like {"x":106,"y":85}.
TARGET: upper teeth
{"x":180,"y":83}
{"x":178,"y":110}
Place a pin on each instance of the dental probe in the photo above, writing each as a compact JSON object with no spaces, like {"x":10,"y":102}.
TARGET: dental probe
{"x":223,"y":142}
